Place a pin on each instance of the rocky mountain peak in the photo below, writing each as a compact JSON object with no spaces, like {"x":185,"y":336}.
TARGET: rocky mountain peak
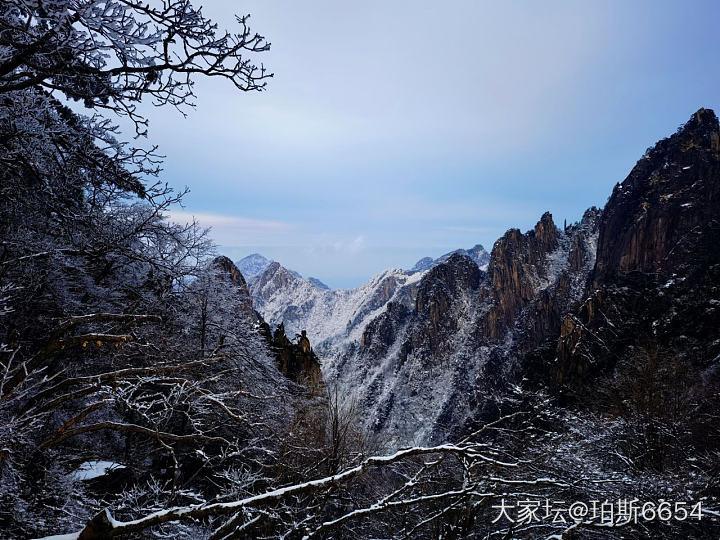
{"x":253,"y":265}
{"x":702,"y":124}
{"x":224,"y":264}
{"x":275,"y":277}
{"x":657,"y":264}
{"x":296,"y":358}
{"x":439,"y":290}
{"x":648,"y":222}
{"x":546,"y":233}
{"x":227,"y":271}
{"x":422,"y":265}
{"x":477,"y":250}
{"x":517,"y":265}
{"x":477,"y":253}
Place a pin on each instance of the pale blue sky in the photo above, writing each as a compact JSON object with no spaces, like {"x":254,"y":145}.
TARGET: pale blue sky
{"x":394,"y":130}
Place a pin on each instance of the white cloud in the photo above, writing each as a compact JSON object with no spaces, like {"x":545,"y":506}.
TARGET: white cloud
{"x":325,"y":245}
{"x":356,"y":245}
{"x":239,"y":231}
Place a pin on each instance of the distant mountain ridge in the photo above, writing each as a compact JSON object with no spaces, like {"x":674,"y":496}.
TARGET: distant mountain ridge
{"x":329,"y":316}
{"x":477,"y":253}
{"x":255,"y":264}
{"x":252,"y":265}
{"x":332,"y":317}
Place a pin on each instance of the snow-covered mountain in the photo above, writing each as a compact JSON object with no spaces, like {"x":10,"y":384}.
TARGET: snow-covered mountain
{"x":255,"y":264}
{"x":329,"y":316}
{"x":410,"y":345}
{"x":418,"y":370}
{"x":283,"y":295}
{"x":337,"y":317}
{"x":477,"y":253}
{"x":252,"y":265}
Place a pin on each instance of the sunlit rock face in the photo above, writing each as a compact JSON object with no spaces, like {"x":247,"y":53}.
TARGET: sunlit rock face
{"x":516,"y":269}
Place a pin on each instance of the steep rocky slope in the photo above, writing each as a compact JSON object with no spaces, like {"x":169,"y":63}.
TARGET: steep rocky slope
{"x":421,"y":371}
{"x":656,"y":286}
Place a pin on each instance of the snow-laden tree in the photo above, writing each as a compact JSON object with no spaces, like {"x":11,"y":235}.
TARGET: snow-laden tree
{"x":514,"y":477}
{"x":96,"y":285}
{"x":110,"y":54}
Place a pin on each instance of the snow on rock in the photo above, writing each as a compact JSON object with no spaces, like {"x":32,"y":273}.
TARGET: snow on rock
{"x":412,"y":348}
{"x":418,"y":369}
{"x":477,"y":253}
{"x":319,"y":284}
{"x":252,"y":265}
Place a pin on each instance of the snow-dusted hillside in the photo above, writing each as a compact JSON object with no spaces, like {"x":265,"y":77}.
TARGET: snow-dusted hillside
{"x":419,"y":370}
{"x":330,"y":317}
{"x":410,"y":347}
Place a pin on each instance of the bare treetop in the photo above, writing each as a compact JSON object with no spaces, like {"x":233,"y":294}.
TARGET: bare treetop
{"x":111,"y":53}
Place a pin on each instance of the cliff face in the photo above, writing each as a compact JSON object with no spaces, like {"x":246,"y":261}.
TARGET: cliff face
{"x":653,"y":220}
{"x":294,"y":359}
{"x":557,"y":277}
{"x":517,"y":265}
{"x":655,"y":283}
{"x":436,"y":312}
{"x":421,"y":370}
{"x":297,"y":360}
{"x":437,"y":299}
{"x":407,"y":365}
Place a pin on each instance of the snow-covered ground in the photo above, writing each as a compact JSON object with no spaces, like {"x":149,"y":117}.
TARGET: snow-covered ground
{"x":92,"y":469}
